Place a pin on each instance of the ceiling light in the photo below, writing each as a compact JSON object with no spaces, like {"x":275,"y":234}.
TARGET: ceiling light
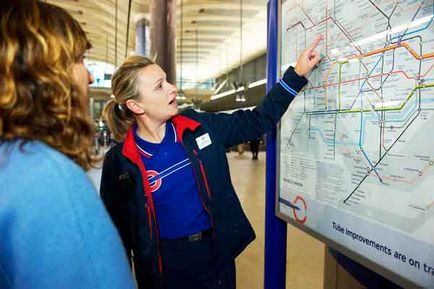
{"x":223,"y":94}
{"x":257,"y":83}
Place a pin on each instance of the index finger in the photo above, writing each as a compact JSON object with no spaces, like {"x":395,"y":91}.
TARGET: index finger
{"x":315,"y":43}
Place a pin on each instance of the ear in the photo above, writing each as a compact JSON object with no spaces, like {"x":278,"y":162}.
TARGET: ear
{"x":134,"y":106}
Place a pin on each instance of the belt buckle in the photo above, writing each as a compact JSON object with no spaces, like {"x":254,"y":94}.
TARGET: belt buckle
{"x":195,"y":237}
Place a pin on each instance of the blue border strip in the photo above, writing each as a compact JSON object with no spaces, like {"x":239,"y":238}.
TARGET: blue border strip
{"x":287,"y":88}
{"x":275,"y":228}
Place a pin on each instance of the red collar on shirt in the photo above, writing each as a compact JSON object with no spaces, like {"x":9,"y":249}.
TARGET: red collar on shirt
{"x":181,"y":123}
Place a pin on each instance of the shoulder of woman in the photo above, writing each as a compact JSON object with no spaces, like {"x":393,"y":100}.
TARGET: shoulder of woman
{"x":35,"y":168}
{"x":115,"y":152}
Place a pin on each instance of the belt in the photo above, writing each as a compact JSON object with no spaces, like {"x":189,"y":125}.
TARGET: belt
{"x":194,"y":237}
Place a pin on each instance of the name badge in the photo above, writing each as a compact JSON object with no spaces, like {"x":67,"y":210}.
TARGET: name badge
{"x":203,"y":141}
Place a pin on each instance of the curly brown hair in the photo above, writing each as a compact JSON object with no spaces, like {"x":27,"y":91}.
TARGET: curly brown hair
{"x":39,"y":43}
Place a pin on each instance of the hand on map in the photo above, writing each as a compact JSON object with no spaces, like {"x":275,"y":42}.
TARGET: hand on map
{"x":309,"y":58}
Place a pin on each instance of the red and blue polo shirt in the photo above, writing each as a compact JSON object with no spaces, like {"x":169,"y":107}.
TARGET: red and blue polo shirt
{"x":176,"y":197}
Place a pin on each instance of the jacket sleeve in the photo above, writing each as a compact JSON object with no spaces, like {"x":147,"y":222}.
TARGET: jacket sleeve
{"x":115,"y":200}
{"x":244,"y":125}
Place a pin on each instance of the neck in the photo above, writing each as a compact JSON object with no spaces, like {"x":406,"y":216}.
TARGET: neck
{"x":153,"y":132}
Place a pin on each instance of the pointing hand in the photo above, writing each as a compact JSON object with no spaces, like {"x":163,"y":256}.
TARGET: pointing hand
{"x":309,"y":58}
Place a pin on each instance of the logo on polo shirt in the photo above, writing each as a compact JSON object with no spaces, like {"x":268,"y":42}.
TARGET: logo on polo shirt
{"x":156,"y":178}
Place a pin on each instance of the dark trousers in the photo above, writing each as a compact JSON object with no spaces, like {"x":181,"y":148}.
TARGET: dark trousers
{"x":254,"y":147}
{"x":190,"y":265}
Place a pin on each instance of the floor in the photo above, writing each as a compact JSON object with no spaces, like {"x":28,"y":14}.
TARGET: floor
{"x":305,"y":255}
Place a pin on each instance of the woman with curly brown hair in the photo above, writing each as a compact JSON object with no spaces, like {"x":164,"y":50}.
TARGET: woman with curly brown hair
{"x":54,"y":231}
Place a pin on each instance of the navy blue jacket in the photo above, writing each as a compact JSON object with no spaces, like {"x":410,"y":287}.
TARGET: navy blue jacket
{"x":126,"y":192}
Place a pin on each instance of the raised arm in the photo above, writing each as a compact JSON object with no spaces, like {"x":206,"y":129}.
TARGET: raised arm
{"x":244,"y":125}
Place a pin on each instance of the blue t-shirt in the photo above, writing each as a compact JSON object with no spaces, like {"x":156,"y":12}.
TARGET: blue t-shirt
{"x":177,"y":201}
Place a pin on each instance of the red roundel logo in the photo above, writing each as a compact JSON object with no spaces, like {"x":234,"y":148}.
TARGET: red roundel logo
{"x":154,"y":180}
{"x":300,"y":215}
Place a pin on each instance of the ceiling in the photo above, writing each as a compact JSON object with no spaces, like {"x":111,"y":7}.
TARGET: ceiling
{"x":218,"y":34}
{"x":98,"y":19}
{"x":210,"y":31}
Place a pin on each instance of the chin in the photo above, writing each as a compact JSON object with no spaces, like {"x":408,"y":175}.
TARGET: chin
{"x":171,"y":114}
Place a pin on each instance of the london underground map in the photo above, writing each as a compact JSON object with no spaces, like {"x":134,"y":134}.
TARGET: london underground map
{"x":356,"y":147}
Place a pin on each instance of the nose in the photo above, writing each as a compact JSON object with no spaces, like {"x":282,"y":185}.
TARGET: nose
{"x":172,"y":87}
{"x":91,"y":79}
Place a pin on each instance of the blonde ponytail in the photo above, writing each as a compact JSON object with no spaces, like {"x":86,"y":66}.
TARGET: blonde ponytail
{"x":118,"y":119}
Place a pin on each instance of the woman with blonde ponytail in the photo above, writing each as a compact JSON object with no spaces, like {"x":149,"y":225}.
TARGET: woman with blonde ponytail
{"x":167,"y":185}
{"x":54,"y":230}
